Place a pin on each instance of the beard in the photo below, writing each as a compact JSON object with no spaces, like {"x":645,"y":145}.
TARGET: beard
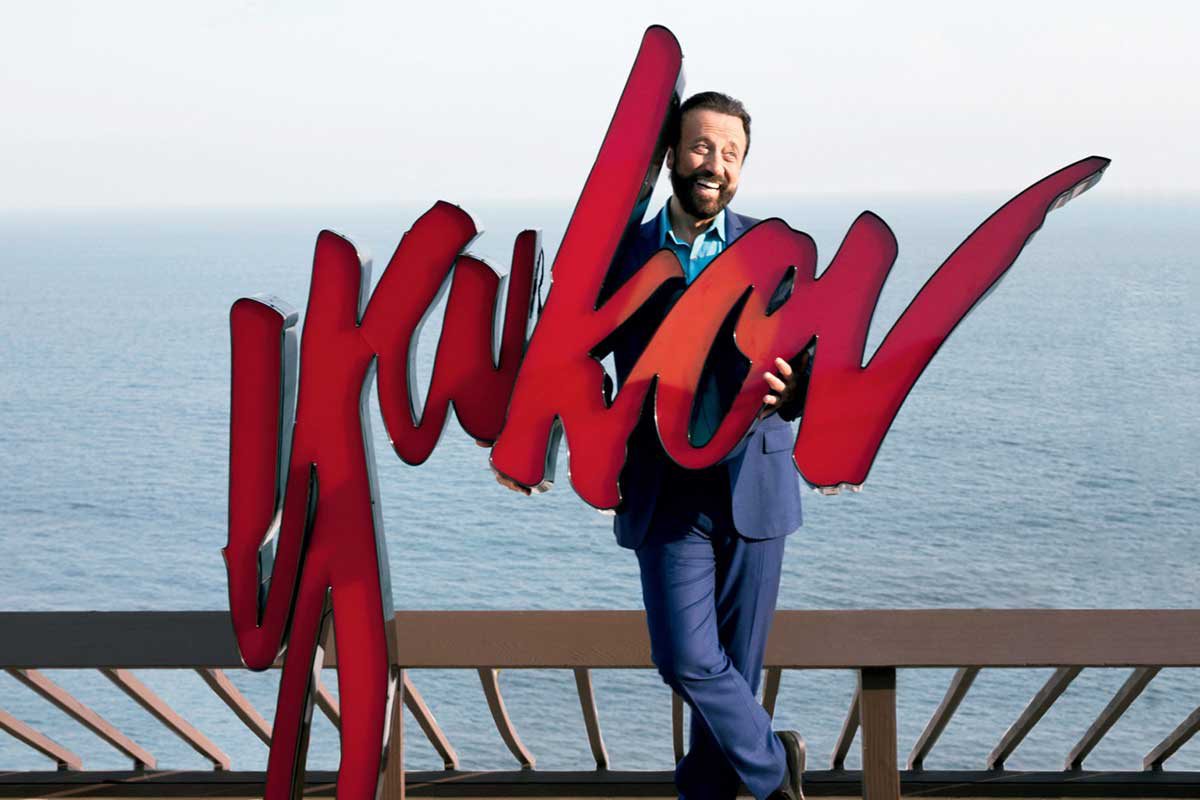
{"x":687,"y":191}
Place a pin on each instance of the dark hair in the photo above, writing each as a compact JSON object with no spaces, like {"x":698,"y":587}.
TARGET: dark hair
{"x":710,"y":101}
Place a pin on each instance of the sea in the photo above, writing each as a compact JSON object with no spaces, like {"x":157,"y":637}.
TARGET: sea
{"x":1049,"y":457}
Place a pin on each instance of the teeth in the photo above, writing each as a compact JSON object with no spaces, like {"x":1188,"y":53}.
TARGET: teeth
{"x":708,"y":185}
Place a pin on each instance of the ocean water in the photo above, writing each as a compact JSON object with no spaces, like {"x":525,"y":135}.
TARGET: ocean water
{"x":1047,"y":458}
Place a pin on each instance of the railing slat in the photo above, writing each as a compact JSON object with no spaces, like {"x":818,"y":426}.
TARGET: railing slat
{"x":1124,"y":697}
{"x":158,"y":708}
{"x":424,"y":717}
{"x":591,"y":717}
{"x":677,"y":725}
{"x":490,"y":678}
{"x":771,"y":689}
{"x":849,"y":728}
{"x":1037,"y":708}
{"x":64,"y":758}
{"x":327,"y":702}
{"x":959,"y":684}
{"x":1175,"y":740}
{"x":219,"y":682}
{"x":85,"y":716}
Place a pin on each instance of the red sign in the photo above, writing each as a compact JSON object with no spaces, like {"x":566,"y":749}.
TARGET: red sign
{"x":305,"y":536}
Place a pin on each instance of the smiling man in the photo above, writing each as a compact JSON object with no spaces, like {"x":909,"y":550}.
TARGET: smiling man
{"x":710,"y":542}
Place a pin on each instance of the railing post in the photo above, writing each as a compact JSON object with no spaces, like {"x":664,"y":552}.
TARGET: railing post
{"x":877,"y":709}
{"x":393,"y":769}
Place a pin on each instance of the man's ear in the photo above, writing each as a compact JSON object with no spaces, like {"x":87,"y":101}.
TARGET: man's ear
{"x":670,"y":158}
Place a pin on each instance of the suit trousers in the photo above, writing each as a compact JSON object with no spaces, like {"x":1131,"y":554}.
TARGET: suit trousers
{"x":710,"y":597}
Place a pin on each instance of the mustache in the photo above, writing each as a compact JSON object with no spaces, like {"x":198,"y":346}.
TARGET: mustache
{"x":704,"y":175}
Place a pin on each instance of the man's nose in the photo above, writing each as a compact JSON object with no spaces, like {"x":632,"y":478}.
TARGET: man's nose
{"x":712,"y":163}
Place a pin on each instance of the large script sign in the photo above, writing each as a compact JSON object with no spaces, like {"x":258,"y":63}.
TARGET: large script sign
{"x":305,"y":535}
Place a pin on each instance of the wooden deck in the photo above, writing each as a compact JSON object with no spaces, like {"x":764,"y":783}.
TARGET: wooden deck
{"x":615,"y":784}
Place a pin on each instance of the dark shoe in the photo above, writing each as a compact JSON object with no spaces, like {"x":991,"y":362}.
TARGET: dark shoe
{"x":793,"y":745}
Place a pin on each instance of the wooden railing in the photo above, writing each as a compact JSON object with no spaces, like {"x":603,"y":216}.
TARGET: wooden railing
{"x":873,"y":643}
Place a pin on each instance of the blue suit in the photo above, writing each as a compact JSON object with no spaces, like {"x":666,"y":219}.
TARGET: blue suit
{"x":710,"y":548}
{"x":763,"y":482}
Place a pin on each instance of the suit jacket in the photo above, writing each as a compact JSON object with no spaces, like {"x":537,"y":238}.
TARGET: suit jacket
{"x":764,"y":487}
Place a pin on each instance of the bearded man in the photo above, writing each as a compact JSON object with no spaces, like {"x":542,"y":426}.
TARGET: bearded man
{"x":710,"y":542}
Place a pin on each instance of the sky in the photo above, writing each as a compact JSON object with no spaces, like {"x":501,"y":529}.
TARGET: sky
{"x":260,"y":104}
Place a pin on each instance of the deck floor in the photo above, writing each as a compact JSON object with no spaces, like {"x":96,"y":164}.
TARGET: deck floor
{"x":594,"y":785}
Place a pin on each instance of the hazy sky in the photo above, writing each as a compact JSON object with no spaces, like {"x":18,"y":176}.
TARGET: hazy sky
{"x":119,"y":104}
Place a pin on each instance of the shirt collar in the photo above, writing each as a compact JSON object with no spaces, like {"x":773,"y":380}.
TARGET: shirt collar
{"x":664,"y":224}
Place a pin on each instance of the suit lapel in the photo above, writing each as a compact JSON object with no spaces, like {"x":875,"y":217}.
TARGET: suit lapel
{"x":651,"y":236}
{"x":735,"y":225}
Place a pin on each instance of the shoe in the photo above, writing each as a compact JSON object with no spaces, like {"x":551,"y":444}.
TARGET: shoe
{"x":793,"y":745}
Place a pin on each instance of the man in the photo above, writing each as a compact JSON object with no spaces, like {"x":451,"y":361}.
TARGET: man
{"x":710,"y":542}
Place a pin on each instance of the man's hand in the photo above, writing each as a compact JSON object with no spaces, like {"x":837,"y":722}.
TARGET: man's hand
{"x":509,"y":483}
{"x":501,"y":478}
{"x":783,"y":386}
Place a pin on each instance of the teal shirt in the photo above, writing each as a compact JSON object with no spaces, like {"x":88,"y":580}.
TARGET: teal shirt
{"x":696,"y":256}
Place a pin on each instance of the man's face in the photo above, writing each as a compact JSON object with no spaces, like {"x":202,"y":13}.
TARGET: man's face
{"x":706,"y":161}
